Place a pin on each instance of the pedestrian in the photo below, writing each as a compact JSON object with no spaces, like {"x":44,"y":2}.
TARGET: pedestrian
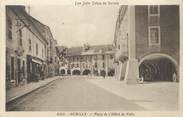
{"x":104,"y":74}
{"x":141,"y":79}
{"x":174,"y":77}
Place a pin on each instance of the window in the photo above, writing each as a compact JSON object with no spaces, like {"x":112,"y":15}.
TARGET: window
{"x":12,"y":69}
{"x":55,"y":59}
{"x":72,"y":65}
{"x":154,"y":35}
{"x":36,"y":49}
{"x":20,"y":36}
{"x":111,"y":56}
{"x":74,"y":59}
{"x":23,"y":67}
{"x":118,"y":46}
{"x":153,"y":10}
{"x":45,"y":51}
{"x":103,"y":65}
{"x":103,"y":57}
{"x":90,"y":58}
{"x":9,"y":29}
{"x":42,"y":52}
{"x":30,"y":48}
{"x":95,"y":57}
{"x":95,"y":65}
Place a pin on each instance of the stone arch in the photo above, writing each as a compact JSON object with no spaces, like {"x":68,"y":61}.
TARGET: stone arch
{"x":158,"y":67}
{"x":76,"y":72}
{"x":102,"y":72}
{"x":111,"y":72}
{"x":160,"y":55}
{"x":86,"y":72}
{"x":62,"y":70}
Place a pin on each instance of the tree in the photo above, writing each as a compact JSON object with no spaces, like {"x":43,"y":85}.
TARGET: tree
{"x":86,"y":47}
{"x":61,"y":53}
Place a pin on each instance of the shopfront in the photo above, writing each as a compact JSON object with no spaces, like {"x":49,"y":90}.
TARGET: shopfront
{"x":35,"y":68}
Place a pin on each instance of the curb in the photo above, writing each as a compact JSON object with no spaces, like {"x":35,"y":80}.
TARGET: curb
{"x":20,"y":96}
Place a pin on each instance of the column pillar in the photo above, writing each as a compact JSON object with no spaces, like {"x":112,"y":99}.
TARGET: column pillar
{"x":98,"y":71}
{"x":106,"y":65}
{"x":132,"y":72}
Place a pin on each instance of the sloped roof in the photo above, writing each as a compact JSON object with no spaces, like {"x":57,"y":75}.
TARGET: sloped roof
{"x":104,"y":48}
{"x":74,"y":51}
{"x":41,"y":27}
{"x":49,"y":31}
{"x":31,"y":23}
{"x":94,"y":49}
{"x":61,"y":48}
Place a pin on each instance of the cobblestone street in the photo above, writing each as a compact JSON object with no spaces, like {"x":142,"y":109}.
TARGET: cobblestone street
{"x":97,"y":94}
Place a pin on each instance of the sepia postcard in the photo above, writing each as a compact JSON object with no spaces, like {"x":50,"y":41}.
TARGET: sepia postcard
{"x":96,"y":58}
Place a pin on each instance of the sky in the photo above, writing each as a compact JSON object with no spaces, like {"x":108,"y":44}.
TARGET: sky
{"x":75,"y":26}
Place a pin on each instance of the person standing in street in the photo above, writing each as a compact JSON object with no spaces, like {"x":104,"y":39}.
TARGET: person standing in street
{"x":174,"y":77}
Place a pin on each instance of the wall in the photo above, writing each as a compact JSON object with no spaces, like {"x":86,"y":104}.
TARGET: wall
{"x":34,"y":41}
{"x":169,"y":28}
{"x":11,"y":44}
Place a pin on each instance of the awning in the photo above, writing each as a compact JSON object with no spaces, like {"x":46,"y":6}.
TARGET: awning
{"x":36,"y":61}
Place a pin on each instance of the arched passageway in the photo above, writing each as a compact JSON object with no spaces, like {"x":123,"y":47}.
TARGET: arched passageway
{"x":76,"y":72}
{"x":86,"y":72}
{"x":158,"y":68}
{"x":62,"y":72}
{"x":111,"y":72}
{"x":102,"y":73}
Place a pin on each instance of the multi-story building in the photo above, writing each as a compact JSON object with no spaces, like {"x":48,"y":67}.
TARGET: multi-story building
{"x":147,"y":43}
{"x":26,"y":47}
{"x":88,"y":60}
{"x":52,"y":58}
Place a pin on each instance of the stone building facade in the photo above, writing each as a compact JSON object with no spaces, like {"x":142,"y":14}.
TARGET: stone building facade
{"x":89,"y":60}
{"x":147,"y":43}
{"x":52,"y":58}
{"x":26,"y":47}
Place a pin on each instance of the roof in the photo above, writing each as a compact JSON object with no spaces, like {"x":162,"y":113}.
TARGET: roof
{"x":121,"y":14}
{"x":104,"y":48}
{"x":41,"y":27}
{"x":95,"y":49}
{"x":49,"y":31}
{"x":74,"y":51}
{"x":61,"y":48}
{"x":31,"y":23}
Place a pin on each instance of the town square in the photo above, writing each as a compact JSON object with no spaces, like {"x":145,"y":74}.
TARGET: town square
{"x":114,"y":58}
